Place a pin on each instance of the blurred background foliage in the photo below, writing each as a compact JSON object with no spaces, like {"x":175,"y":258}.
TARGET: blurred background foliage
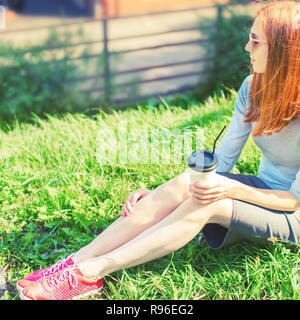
{"x":228,"y":38}
{"x":40,"y":81}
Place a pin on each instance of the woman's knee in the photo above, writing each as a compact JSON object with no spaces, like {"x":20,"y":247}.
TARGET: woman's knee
{"x":216,"y":212}
{"x":221,"y":212}
{"x":178,"y":187}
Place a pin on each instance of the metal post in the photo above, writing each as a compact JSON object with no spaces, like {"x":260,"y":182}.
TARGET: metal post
{"x":106,"y":60}
{"x":218,"y":44}
{"x":107,"y":73}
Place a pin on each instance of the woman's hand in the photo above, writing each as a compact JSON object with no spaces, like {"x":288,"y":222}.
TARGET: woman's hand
{"x":207,"y":193}
{"x":132,"y":199}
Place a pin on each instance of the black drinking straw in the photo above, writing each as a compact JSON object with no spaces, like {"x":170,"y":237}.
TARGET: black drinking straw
{"x":218,"y":138}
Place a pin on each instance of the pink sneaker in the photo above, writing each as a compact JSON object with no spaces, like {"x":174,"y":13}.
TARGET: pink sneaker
{"x":65,"y":284}
{"x":25,"y":282}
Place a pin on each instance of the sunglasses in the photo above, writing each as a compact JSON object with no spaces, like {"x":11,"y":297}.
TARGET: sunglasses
{"x":255,"y":42}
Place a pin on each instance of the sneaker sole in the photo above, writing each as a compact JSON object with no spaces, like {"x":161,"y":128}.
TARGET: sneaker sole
{"x":19,"y":287}
{"x":22,"y":297}
{"x":86,"y":294}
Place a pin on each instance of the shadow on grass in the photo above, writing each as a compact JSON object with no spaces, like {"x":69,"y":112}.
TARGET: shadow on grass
{"x":197,"y":262}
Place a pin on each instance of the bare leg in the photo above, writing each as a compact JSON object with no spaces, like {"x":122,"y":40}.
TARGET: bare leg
{"x":168,"y":235}
{"x":147,"y":212}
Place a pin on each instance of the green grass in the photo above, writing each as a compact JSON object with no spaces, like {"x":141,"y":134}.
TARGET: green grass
{"x":55,"y":198}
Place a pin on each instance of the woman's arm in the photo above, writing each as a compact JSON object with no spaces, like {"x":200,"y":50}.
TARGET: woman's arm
{"x":268,"y":198}
{"x":230,"y":147}
{"x":229,"y":188}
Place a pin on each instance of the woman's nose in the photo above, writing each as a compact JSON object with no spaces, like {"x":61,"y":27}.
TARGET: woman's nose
{"x":247,"y":47}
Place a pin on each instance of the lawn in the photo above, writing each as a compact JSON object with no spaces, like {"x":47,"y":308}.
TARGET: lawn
{"x":55,"y":197}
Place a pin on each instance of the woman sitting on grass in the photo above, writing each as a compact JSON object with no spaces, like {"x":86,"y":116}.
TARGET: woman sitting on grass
{"x":238,"y":207}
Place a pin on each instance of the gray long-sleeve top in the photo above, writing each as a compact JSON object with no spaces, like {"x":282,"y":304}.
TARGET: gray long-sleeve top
{"x":280,"y":163}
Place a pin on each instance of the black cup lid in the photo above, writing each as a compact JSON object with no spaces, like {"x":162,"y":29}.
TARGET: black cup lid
{"x":202,"y":161}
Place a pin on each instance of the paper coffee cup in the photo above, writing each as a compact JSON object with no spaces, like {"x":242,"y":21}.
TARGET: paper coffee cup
{"x":202,"y":165}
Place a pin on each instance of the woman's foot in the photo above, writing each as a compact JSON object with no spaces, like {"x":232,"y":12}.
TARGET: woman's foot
{"x":27,"y":281}
{"x":66,"y":284}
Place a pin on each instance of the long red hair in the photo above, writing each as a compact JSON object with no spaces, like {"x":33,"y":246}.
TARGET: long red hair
{"x":275,"y":95}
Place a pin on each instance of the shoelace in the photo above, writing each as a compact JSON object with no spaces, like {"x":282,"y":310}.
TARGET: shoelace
{"x":67,"y":274}
{"x":56,"y":266}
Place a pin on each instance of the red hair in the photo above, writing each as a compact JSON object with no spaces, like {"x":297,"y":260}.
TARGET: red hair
{"x":275,"y":95}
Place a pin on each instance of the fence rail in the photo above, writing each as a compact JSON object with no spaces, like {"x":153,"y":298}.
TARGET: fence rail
{"x":45,"y":48}
{"x":155,"y":95}
{"x":180,"y":75}
{"x":90,"y":20}
{"x":137,"y":70}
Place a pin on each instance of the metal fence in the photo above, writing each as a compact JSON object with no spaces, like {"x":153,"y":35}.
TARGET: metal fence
{"x":107,"y":89}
